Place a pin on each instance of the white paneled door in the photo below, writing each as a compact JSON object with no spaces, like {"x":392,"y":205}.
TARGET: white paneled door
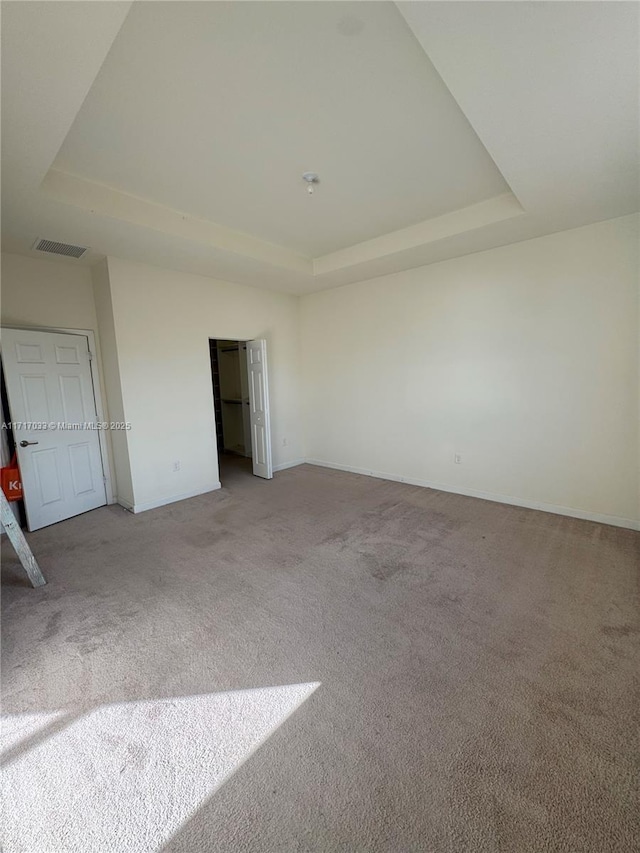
{"x":52,"y":405}
{"x":259,"y":408}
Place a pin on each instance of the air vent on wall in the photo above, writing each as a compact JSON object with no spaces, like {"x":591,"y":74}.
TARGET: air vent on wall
{"x":65,"y":249}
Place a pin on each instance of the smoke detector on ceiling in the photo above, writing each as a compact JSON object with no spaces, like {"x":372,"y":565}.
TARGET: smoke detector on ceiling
{"x":312,"y":179}
{"x":54,"y":248}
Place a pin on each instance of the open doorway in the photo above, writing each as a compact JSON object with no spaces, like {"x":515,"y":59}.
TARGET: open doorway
{"x":230,"y":380}
{"x":240,"y":386}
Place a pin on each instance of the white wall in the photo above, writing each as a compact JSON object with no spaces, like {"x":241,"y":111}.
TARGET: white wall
{"x":119,"y":447}
{"x":42,"y":292}
{"x":523,"y":359}
{"x":163,"y":320}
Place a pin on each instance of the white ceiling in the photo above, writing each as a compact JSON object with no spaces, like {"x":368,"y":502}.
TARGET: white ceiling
{"x":564,"y":77}
{"x":217,"y":109}
{"x":175,"y":133}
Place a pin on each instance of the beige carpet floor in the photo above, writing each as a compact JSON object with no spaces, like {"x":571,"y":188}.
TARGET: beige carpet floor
{"x":323,"y":662}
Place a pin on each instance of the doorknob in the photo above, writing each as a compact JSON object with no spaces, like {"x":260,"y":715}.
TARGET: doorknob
{"x":24,"y":443}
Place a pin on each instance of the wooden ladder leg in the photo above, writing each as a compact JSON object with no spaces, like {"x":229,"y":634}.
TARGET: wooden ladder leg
{"x":20,"y":544}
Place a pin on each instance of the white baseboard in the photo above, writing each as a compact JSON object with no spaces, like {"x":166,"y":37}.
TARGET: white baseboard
{"x":585,"y":515}
{"x":143,"y":507}
{"x":286,"y":465}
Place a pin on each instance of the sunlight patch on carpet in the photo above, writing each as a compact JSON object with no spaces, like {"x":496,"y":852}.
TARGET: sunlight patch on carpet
{"x":126,"y":776}
{"x":20,"y":729}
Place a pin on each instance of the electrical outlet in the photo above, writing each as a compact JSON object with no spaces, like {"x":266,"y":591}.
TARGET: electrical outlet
{"x":457,"y":458}
{"x":285,"y":442}
{"x":176,"y":466}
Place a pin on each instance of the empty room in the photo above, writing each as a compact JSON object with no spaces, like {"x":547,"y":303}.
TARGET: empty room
{"x":320,"y":436}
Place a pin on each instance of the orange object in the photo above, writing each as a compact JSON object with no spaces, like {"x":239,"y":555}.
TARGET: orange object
{"x":11,"y":481}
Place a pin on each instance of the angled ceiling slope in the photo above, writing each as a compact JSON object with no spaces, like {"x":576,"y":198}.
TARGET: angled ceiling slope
{"x":177,"y":133}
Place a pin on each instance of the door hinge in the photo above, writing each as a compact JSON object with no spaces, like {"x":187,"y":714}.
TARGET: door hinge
{"x":90,"y":356}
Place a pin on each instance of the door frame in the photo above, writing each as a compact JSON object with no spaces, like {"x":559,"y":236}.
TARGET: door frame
{"x":97,"y":392}
{"x":245,"y":341}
